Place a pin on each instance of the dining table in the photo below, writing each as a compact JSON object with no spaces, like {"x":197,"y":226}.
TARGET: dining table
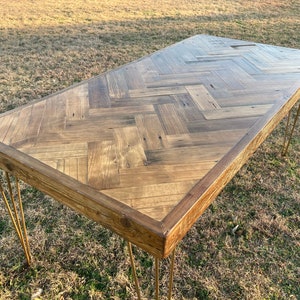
{"x":145,"y":148}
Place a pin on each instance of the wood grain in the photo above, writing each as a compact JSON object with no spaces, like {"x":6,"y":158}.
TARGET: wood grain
{"x":145,"y":148}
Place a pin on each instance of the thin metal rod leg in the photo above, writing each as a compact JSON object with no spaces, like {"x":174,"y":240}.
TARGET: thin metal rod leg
{"x":171,"y":274}
{"x":15,"y":220}
{"x":288,"y":135}
{"x":13,"y":201}
{"x":157,"y":274}
{"x":23,"y":217}
{"x":157,"y":278}
{"x":136,"y":281}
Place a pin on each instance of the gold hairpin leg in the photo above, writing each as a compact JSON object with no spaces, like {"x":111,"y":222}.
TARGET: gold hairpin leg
{"x":136,"y":281}
{"x":288,"y":134}
{"x":15,"y":216}
{"x":171,"y":274}
{"x":157,"y":268}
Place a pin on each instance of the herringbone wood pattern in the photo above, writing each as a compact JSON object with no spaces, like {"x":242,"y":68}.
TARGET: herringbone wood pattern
{"x":147,"y":132}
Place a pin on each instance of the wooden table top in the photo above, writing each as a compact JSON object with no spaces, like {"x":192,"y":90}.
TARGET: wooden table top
{"x":145,"y":148}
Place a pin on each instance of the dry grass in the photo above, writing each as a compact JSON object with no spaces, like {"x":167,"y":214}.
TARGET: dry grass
{"x":48,"y":45}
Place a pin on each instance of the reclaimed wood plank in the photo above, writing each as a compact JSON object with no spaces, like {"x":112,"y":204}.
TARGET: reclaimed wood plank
{"x":77,"y":102}
{"x":171,"y":173}
{"x":102,"y":166}
{"x":29,"y":128}
{"x":171,"y":120}
{"x":151,"y":131}
{"x":98,"y":93}
{"x":236,"y":112}
{"x":202,"y":97}
{"x":129,"y":148}
{"x":5,"y":122}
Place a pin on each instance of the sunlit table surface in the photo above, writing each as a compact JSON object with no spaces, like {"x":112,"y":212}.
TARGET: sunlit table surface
{"x":145,"y":148}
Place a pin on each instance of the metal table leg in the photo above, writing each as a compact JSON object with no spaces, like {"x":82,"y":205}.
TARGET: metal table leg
{"x":288,"y":134}
{"x":16,"y":214}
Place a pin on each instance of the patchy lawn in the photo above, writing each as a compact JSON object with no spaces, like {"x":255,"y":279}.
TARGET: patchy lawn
{"x":48,"y":45}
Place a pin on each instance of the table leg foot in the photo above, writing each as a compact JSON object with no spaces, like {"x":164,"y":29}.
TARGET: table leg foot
{"x":157,"y":275}
{"x":16,"y":214}
{"x":289,"y":131}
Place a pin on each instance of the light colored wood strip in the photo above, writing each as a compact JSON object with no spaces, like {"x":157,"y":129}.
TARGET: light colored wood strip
{"x":205,"y":138}
{"x":247,"y":66}
{"x":77,"y":168}
{"x":72,"y":136}
{"x":225,"y":55}
{"x":151,"y":100}
{"x":54,"y":152}
{"x":279,"y":80}
{"x":53,"y":164}
{"x":172,"y":122}
{"x":72,"y":165}
{"x":21,"y":126}
{"x":60,"y":165}
{"x":188,"y":154}
{"x":77,"y":102}
{"x":159,"y":60}
{"x":149,"y":190}
{"x":99,"y":129}
{"x":159,"y":207}
{"x":133,"y":77}
{"x":151,"y":131}
{"x":256,"y":59}
{"x":28,"y":135}
{"x":120,"y":111}
{"x":147,"y":69}
{"x":5,"y":123}
{"x":187,"y":107}
{"x":237,"y":112}
{"x":153,"y":200}
{"x":249,"y":97}
{"x":163,"y":207}
{"x":202,"y":97}
{"x":55,"y":108}
{"x":117,"y":85}
{"x":177,"y":80}
{"x":180,"y":78}
{"x":102,"y":166}
{"x":82,"y":163}
{"x":37,"y":115}
{"x":222,"y":124}
{"x":159,"y":91}
{"x":98,"y":123}
{"x":157,"y":174}
{"x":240,"y":75}
{"x":129,"y":148}
{"x":231,"y":79}
{"x":98,"y":92}
{"x":282,"y":69}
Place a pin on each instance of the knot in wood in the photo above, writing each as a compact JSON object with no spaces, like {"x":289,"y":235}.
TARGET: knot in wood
{"x":125,"y":221}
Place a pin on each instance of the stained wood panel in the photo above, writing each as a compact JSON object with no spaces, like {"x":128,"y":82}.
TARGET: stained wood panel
{"x":145,"y":148}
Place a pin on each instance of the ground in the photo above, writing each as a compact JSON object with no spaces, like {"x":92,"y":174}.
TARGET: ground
{"x":48,"y":45}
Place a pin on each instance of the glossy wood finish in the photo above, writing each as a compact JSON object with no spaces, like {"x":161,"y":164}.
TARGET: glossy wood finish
{"x":145,"y":148}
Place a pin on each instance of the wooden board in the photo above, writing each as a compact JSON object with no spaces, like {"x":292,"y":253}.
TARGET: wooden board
{"x":145,"y":148}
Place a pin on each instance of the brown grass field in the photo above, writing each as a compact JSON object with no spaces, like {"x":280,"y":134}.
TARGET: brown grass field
{"x":48,"y":45}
